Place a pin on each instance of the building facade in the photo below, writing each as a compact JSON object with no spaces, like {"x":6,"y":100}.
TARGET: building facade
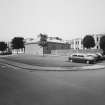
{"x":55,"y":46}
{"x":77,"y":43}
{"x":33,"y":47}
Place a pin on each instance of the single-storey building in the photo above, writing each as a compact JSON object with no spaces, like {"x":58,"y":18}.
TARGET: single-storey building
{"x":34,"y":48}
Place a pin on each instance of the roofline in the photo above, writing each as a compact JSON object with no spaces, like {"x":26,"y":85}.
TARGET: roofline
{"x":47,"y":41}
{"x":31,"y":43}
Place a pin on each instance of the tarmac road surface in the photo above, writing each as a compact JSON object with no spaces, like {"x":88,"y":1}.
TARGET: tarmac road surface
{"x":24,"y":87}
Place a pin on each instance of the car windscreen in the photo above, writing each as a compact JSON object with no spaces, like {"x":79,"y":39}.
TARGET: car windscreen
{"x":74,"y":55}
{"x":80,"y":56}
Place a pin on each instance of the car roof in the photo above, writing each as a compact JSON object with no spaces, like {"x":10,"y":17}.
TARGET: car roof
{"x":91,"y":54}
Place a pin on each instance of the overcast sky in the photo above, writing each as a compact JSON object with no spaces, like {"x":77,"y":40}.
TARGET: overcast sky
{"x":64,"y":18}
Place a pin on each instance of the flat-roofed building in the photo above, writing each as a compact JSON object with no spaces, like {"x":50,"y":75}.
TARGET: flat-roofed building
{"x":76,"y":43}
{"x":32,"y":47}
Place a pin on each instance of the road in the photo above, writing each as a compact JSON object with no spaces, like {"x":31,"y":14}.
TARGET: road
{"x":25,"y":87}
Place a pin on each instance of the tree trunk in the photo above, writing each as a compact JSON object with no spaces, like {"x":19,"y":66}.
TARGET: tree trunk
{"x":24,"y":49}
{"x":43,"y":51}
{"x":17,"y":51}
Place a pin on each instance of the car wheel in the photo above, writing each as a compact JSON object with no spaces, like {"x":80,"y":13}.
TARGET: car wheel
{"x":71,"y":60}
{"x":87,"y":62}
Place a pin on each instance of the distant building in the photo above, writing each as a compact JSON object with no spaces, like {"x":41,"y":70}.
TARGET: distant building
{"x":33,"y":47}
{"x":56,"y":46}
{"x":76,"y":43}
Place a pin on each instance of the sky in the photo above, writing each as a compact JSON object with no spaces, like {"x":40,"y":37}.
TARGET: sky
{"x":67,"y":19}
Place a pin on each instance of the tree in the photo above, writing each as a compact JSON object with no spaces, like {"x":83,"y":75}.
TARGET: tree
{"x":3,"y":46}
{"x":88,"y":41}
{"x":18,"y":43}
{"x":102,"y":44}
{"x":57,"y":38}
{"x":43,"y":41}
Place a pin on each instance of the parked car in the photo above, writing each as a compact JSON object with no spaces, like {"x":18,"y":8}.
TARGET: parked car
{"x":96,"y":56}
{"x":81,"y":57}
{"x":100,"y":56}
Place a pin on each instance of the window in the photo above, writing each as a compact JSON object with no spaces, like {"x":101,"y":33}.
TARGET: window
{"x":74,"y":55}
{"x":80,"y":56}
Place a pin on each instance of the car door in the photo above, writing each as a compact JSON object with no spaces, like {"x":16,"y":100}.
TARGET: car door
{"x":74,"y":57}
{"x":80,"y":58}
{"x":77,"y":58}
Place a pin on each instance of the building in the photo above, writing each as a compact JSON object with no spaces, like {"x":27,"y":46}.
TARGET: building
{"x":54,"y":44}
{"x":76,"y":44}
{"x":32,"y":47}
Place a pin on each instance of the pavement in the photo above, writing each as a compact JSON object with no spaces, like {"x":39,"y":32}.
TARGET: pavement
{"x":49,"y":68}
